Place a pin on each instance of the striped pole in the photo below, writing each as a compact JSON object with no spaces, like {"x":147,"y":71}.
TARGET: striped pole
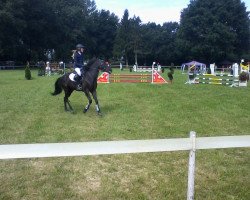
{"x":155,"y":77}
{"x":213,"y":83}
{"x":229,"y":75}
{"x":215,"y":79}
{"x":130,"y":78}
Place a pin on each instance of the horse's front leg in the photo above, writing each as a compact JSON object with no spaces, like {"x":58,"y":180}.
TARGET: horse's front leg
{"x":98,"y":110}
{"x":70,"y":107}
{"x":65,"y":103}
{"x":89,"y":103}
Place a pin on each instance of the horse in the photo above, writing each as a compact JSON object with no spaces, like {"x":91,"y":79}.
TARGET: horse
{"x":89,"y":84}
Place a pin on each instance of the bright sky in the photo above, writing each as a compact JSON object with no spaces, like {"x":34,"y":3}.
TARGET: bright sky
{"x":158,"y":11}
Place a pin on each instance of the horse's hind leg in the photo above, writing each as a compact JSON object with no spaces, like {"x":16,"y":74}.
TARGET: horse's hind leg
{"x":98,"y":110}
{"x":89,"y":103}
{"x":66,"y":101}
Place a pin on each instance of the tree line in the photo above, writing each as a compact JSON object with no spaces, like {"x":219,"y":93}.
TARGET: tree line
{"x":209,"y":31}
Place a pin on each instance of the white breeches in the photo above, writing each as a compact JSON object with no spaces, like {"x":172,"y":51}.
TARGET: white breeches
{"x":78,"y":71}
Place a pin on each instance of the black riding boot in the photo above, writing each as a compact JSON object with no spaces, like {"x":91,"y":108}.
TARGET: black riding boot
{"x":78,"y":80}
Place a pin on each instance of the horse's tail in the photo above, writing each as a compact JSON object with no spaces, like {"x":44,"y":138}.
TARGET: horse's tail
{"x":58,"y":87}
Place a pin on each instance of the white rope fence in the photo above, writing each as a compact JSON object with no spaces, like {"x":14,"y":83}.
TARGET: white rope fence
{"x":192,"y":144}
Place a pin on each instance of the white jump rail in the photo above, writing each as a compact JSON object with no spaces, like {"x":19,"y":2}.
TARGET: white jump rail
{"x":13,"y":151}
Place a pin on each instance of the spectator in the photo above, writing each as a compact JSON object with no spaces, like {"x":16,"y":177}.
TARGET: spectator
{"x":170,"y":75}
{"x":47,"y":69}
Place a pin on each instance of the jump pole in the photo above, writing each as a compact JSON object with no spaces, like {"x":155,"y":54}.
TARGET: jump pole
{"x":152,"y":72}
{"x":155,"y":77}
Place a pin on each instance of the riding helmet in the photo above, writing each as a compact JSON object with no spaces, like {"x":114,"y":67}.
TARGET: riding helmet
{"x":79,"y":46}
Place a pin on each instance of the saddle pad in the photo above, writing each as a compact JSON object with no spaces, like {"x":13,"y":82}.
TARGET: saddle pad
{"x":72,"y":76}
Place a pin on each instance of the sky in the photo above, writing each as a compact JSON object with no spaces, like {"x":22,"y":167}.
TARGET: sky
{"x":158,"y":11}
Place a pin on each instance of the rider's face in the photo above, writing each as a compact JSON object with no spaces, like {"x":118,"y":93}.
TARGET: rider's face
{"x":82,"y":49}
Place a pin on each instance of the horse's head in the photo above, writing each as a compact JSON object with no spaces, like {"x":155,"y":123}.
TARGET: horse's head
{"x":96,"y":64}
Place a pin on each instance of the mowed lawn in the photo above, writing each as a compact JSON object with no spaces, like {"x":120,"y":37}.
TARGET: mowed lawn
{"x":29,"y":114}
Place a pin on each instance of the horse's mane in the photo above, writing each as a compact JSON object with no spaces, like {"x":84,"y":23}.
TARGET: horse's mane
{"x":92,"y":70}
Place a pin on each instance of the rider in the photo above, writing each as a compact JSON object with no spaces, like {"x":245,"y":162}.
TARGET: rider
{"x":78,"y":65}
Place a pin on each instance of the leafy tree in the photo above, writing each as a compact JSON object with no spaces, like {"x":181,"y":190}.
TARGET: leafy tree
{"x":121,"y":47}
{"x":209,"y":31}
{"x":27,"y":72}
{"x":11,"y":27}
{"x":39,"y":20}
{"x":69,"y":25}
{"x":102,"y":31}
{"x":166,"y":44}
{"x":128,"y":38}
{"x":149,"y":34}
{"x":159,"y":42}
{"x":135,"y":44}
{"x":214,"y":30}
{"x":28,"y":27}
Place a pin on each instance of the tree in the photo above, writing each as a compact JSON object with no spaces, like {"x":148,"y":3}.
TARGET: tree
{"x":135,"y":44}
{"x":159,"y":42}
{"x":150,"y":32}
{"x":69,"y":25}
{"x":165,"y":50}
{"x":28,"y":27}
{"x":214,"y":30}
{"x":122,"y":38}
{"x":102,"y":31}
{"x":11,"y":28}
{"x":27,"y":71}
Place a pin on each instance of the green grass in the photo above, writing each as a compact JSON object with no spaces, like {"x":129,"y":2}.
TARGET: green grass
{"x":29,"y":114}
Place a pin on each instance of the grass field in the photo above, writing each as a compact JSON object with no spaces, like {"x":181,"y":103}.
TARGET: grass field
{"x":29,"y":114}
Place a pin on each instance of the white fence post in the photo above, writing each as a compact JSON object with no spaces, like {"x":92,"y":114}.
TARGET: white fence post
{"x":191,"y":168}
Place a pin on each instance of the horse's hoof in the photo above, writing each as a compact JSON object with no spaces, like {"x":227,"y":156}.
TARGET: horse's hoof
{"x":85,"y":110}
{"x":99,"y":114}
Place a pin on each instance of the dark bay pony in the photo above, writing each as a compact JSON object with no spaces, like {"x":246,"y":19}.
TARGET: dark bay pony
{"x":89,"y":84}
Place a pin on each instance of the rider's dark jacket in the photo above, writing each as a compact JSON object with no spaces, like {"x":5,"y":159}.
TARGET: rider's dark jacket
{"x":78,"y":60}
